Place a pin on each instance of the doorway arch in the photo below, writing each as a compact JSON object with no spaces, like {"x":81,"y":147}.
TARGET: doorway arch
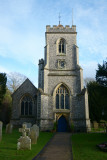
{"x":62,"y":124}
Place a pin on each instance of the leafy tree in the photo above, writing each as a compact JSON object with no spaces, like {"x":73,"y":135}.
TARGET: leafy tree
{"x":97,"y":96}
{"x":6,"y":107}
{"x":3,"y":80}
{"x":101,"y":74}
{"x":15,"y":79}
{"x":87,"y":80}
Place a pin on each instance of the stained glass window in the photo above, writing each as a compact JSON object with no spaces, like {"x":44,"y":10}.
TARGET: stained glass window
{"x":30,"y":108}
{"x":57,"y":101}
{"x":26,"y":105}
{"x":62,"y":98}
{"x":22,"y":108}
{"x":26,"y":108}
{"x":67,"y":101}
{"x":62,"y":101}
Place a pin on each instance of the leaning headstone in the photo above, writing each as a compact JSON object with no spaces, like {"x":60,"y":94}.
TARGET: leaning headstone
{"x":29,"y":125}
{"x":33,"y":135}
{"x":106,"y":127}
{"x":24,"y":142}
{"x":95,"y":125}
{"x":9,"y":128}
{"x":1,"y":124}
{"x":36,"y":128}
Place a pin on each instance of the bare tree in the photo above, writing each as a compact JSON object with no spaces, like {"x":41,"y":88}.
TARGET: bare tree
{"x":14,"y":80}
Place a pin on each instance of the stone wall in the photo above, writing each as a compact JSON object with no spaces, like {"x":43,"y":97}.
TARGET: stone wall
{"x":53,"y":56}
{"x":27,"y":88}
{"x":51,"y":76}
{"x":71,"y":75}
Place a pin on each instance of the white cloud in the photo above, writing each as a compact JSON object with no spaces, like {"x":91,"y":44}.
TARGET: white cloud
{"x":18,"y":38}
{"x":22,"y":27}
{"x":93,"y":42}
{"x":92,"y":35}
{"x":24,"y":48}
{"x":89,"y":69}
{"x":3,"y":69}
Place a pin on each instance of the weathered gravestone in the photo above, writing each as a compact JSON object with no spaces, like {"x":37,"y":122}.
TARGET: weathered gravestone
{"x":24,"y":142}
{"x":9,"y":128}
{"x":1,"y":124}
{"x":33,"y":135}
{"x":106,"y":127}
{"x":29,"y":125}
{"x":95,"y":125}
{"x":36,"y":128}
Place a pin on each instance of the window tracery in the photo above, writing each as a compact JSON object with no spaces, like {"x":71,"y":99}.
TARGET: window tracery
{"x":62,"y":98}
{"x":26,"y":106}
{"x":61,"y":47}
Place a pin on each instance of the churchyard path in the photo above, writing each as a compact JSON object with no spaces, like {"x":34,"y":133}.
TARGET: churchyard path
{"x":59,"y":148}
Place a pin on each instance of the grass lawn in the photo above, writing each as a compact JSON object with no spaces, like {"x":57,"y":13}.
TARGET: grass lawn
{"x":84,"y":146}
{"x":98,"y":129}
{"x":8,"y":146}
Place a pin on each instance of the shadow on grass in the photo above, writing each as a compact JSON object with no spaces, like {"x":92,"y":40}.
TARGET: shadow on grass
{"x":8,"y":146}
{"x":84,"y":146}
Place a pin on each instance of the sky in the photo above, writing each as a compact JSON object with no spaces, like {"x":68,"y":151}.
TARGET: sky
{"x":22,"y":33}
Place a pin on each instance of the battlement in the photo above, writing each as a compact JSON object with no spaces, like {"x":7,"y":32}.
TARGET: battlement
{"x":60,"y":28}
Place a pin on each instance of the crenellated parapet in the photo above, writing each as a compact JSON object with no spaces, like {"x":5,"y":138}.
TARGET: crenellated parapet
{"x":61,"y":28}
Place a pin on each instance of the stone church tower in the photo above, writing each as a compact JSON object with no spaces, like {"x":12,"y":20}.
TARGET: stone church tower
{"x":62,"y":98}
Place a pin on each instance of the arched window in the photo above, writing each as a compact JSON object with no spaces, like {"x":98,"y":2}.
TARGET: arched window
{"x":62,"y":47}
{"x":62,"y":98}
{"x":26,"y":106}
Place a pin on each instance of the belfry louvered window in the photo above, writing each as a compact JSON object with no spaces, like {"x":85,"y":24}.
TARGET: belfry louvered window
{"x":62,"y":46}
{"x":26,"y":106}
{"x":62,"y":98}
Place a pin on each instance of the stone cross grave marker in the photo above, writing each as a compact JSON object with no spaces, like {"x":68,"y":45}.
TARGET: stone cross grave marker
{"x":24,"y":130}
{"x":24,"y":142}
{"x":29,"y":125}
{"x":1,"y":130}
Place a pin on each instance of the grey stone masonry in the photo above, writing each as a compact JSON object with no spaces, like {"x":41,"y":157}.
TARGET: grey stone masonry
{"x":70,"y":75}
{"x":60,"y":92}
{"x":60,"y":28}
{"x":26,"y":89}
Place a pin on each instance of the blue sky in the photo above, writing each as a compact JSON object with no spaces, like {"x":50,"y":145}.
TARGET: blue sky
{"x":22,"y":32}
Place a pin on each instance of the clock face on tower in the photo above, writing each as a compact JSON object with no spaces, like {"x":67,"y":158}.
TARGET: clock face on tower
{"x":61,"y":64}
